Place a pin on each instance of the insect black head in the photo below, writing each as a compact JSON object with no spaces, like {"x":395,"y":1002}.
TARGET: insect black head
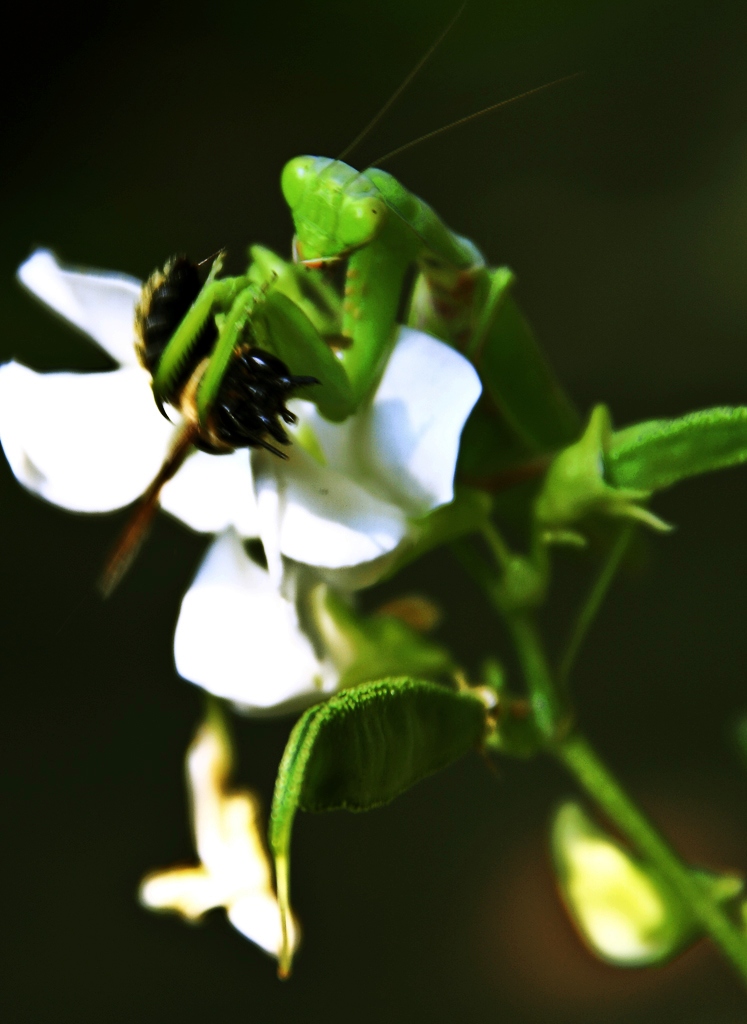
{"x":251,"y":401}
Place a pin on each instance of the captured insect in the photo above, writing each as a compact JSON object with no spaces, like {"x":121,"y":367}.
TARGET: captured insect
{"x":228,"y":354}
{"x":217,"y":353}
{"x":247,"y":403}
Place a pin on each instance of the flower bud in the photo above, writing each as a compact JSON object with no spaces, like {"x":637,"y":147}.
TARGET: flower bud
{"x":575,"y":487}
{"x":624,"y":910}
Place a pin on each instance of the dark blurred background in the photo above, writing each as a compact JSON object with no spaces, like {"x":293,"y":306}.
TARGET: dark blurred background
{"x":620,"y":199}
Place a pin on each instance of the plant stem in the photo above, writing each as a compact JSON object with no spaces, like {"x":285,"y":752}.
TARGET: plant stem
{"x":543,"y":693}
{"x":593,"y":602}
{"x":581,"y":760}
{"x":500,"y":550}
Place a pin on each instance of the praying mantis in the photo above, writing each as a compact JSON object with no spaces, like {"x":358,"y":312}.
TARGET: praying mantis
{"x":379,"y":229}
{"x":286,"y":327}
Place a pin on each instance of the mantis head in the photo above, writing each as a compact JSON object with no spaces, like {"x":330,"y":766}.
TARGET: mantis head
{"x":335,"y":208}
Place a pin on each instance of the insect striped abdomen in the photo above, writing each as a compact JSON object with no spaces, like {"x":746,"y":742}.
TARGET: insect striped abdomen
{"x":166,"y":298}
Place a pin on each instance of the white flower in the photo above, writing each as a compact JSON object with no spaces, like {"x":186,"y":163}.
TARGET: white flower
{"x":240,"y":638}
{"x":344,"y":500}
{"x":93,"y":442}
{"x":235,"y":871}
{"x":274,"y":651}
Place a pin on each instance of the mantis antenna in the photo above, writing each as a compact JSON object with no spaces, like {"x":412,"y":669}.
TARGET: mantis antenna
{"x":473,"y":117}
{"x":401,"y":88}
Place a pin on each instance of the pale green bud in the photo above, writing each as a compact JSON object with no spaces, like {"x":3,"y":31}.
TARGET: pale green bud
{"x":575,"y":487}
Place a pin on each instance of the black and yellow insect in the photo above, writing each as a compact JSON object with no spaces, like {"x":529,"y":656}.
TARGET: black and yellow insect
{"x":215,"y":353}
{"x":249,"y":401}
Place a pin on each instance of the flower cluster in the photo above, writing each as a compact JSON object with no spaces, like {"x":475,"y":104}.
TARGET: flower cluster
{"x":334,"y":517}
{"x":343,"y":506}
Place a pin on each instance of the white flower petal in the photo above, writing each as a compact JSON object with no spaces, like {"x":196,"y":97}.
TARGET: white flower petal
{"x":89,"y":442}
{"x":316,"y":515}
{"x":101,"y":304}
{"x":212,"y":492}
{"x":337,"y":441}
{"x":356,"y":577}
{"x":238,"y":638}
{"x":409,"y":436}
{"x":235,"y":872}
{"x":208,"y":769}
{"x":257,"y":916}
{"x":188,"y":891}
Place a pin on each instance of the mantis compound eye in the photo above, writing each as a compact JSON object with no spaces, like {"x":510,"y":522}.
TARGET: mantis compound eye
{"x":295,"y":178}
{"x":360,"y":220}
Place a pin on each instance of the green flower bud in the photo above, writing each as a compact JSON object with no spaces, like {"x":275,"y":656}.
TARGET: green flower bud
{"x":575,"y":487}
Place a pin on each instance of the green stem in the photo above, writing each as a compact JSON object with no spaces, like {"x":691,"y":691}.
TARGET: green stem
{"x":581,"y":760}
{"x":593,"y":602}
{"x":500,"y":550}
{"x":543,"y":694}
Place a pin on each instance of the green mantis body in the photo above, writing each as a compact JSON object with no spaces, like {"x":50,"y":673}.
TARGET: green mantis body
{"x":380,"y":230}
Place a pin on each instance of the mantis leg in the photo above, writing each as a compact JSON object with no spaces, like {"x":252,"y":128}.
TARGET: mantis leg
{"x":452,"y":304}
{"x":375,"y":277}
{"x":308,"y":290}
{"x":216,"y":295}
{"x":243,"y":306}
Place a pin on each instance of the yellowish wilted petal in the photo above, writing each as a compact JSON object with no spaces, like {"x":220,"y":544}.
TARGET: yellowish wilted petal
{"x":235,"y":871}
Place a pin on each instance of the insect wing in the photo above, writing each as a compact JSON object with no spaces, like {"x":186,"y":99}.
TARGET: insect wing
{"x":519,"y":380}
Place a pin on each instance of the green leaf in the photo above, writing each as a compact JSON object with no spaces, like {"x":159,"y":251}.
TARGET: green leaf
{"x":296,"y":341}
{"x":656,"y":454}
{"x":363,"y":748}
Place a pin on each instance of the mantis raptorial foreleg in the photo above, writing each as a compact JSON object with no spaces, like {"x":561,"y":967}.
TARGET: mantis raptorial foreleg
{"x":216,"y":296}
{"x":373,"y":285}
{"x":276,"y":307}
{"x":231,"y":330}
